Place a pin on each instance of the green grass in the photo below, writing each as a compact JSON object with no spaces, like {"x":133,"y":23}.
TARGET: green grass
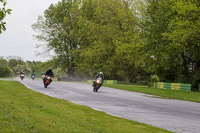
{"x":23,"y":110}
{"x":6,"y":78}
{"x":171,"y":94}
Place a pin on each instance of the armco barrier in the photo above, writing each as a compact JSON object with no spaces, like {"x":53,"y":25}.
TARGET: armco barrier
{"x":172,"y":86}
{"x":175,"y":86}
{"x":110,"y":82}
{"x":167,"y":86}
{"x":105,"y":81}
{"x":90,"y":81}
{"x":185,"y":87}
{"x":160,"y":85}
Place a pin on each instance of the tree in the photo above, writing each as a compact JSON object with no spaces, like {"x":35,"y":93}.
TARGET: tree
{"x":3,"y":13}
{"x":172,"y":39}
{"x":110,"y":38}
{"x":5,"y":70}
{"x":87,"y":36}
{"x":183,"y":35}
{"x":58,"y":29}
{"x":17,"y":64}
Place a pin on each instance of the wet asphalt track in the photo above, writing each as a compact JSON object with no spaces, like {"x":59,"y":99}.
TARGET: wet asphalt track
{"x":174,"y":115}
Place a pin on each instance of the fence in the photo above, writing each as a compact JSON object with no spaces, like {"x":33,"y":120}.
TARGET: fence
{"x":105,"y":81}
{"x":173,"y":86}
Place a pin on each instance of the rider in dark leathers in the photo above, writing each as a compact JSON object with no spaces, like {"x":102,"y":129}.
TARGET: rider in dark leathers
{"x":21,"y":76}
{"x":49,"y":73}
{"x":33,"y":76}
{"x":22,"y":73}
{"x":100,"y":75}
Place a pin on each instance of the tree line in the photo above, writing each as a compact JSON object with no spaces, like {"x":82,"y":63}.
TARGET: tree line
{"x":129,"y":40}
{"x":13,"y":65}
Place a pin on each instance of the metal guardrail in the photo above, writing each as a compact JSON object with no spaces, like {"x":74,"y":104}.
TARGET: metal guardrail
{"x":172,"y":86}
{"x":105,"y":81}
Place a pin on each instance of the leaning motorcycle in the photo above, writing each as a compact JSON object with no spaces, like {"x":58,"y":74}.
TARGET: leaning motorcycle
{"x":22,"y":76}
{"x":97,"y":84}
{"x":47,"y":80}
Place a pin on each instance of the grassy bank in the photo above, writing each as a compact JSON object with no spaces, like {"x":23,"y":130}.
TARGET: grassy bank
{"x":23,"y":110}
{"x":172,"y":94}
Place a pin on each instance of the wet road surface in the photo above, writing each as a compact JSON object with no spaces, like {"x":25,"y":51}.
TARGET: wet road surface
{"x":173,"y":115}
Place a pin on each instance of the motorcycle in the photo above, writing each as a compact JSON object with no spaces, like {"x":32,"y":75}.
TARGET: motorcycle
{"x":33,"y":77}
{"x":47,"y":81}
{"x":97,"y":84}
{"x":22,"y":76}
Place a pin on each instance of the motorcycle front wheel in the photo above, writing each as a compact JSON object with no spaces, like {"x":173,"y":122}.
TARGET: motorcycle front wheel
{"x":97,"y":89}
{"x":94,"y":89}
{"x":45,"y":85}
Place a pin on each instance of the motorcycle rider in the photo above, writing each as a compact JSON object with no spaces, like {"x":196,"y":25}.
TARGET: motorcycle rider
{"x":22,"y":77}
{"x":22,"y":73}
{"x":100,"y":75}
{"x":33,"y":76}
{"x":49,"y":73}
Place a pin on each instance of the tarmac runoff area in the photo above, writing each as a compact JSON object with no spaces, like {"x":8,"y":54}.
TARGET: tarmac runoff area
{"x":173,"y":115}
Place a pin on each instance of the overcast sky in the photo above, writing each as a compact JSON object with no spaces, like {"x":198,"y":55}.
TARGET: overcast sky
{"x":18,"y":39}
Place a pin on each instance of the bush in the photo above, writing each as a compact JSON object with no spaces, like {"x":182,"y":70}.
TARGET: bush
{"x":6,"y":72}
{"x":154,"y":78}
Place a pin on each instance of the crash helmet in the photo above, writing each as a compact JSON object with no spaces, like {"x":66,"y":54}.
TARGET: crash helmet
{"x":101,"y":73}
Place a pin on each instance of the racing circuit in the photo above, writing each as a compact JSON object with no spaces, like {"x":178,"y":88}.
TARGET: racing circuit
{"x":173,"y":115}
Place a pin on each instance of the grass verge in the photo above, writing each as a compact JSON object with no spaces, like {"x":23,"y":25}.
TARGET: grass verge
{"x":171,"y":94}
{"x":23,"y":110}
